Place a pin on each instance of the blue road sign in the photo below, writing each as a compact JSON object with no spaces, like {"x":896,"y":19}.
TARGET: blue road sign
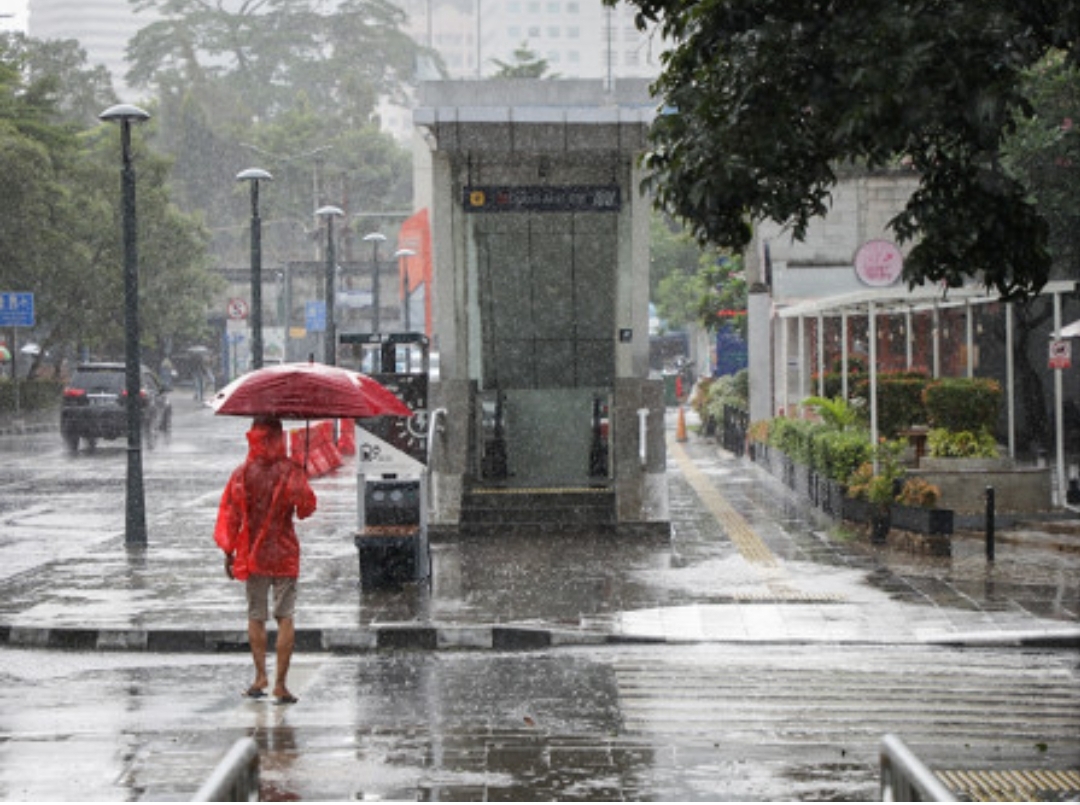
{"x":315,"y":316}
{"x":16,"y":309}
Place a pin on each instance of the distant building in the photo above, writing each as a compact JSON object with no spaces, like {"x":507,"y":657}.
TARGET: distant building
{"x":102,"y":27}
{"x":577,"y":38}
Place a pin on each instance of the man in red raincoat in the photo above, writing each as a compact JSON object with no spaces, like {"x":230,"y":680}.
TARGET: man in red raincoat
{"x":255,"y":530}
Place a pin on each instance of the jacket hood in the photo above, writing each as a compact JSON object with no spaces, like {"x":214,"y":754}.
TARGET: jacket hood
{"x":266,"y":441}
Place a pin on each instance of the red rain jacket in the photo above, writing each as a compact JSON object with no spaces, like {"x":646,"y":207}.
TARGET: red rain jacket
{"x":255,"y":518}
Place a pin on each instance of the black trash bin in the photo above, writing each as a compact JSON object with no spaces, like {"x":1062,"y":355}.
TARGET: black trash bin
{"x":392,"y":544}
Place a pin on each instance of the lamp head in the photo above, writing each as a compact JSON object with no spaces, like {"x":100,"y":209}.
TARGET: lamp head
{"x":329,"y":210}
{"x":124,"y":112}
{"x":253,"y":174}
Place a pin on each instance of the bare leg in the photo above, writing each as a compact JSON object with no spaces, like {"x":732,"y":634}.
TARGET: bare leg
{"x":257,"y":639}
{"x":286,"y":638}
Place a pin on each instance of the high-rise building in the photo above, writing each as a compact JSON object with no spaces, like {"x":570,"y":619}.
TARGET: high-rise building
{"x":102,"y":27}
{"x":577,"y":38}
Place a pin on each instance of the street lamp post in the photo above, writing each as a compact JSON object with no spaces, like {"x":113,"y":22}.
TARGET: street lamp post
{"x":254,"y":176}
{"x":330,"y":346}
{"x":135,"y":509}
{"x":403,"y":255}
{"x":375,"y":238}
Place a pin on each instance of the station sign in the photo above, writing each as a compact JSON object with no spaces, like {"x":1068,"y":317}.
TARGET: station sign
{"x":16,"y":309}
{"x":542,"y":198}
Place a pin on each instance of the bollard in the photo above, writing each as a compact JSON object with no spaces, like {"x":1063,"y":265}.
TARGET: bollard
{"x":989,"y":524}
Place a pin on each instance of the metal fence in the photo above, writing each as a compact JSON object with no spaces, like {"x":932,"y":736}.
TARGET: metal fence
{"x":736,"y":423}
{"x":905,"y":778}
{"x":236,"y":777}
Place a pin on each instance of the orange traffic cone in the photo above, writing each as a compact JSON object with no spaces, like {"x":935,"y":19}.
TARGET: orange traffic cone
{"x":680,"y":426}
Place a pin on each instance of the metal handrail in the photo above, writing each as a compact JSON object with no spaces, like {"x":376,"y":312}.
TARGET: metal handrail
{"x":905,"y":778}
{"x":235,"y":778}
{"x":433,"y":427}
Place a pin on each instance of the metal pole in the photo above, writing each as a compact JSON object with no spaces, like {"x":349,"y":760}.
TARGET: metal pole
{"x":405,"y":263}
{"x":375,"y":238}
{"x":135,"y":508}
{"x":1059,"y":411}
{"x":331,"y":330}
{"x":254,"y":175}
{"x":375,"y":302}
{"x":989,"y":524}
{"x":256,"y":280}
{"x":871,"y":337}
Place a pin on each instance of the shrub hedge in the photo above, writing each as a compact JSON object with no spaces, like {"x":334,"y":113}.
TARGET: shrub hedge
{"x":34,"y":395}
{"x":963,"y":404}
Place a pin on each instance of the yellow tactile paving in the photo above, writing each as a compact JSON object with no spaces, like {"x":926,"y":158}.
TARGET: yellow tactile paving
{"x":744,"y":537}
{"x":1028,"y":785}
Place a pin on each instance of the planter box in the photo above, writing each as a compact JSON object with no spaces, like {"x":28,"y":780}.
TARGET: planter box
{"x":833,"y":495}
{"x":963,"y":483}
{"x":922,"y":521}
{"x":857,"y":511}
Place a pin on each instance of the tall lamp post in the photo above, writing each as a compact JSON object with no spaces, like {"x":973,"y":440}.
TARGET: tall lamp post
{"x":375,"y":238}
{"x":254,"y":176}
{"x":135,"y":509}
{"x":330,"y":346}
{"x":403,"y":255}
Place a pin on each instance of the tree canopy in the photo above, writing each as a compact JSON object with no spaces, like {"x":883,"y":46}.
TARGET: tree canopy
{"x":766,"y":101}
{"x":290,"y":86}
{"x":60,"y":236}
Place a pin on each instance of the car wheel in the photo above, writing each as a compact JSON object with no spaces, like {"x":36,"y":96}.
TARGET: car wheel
{"x":71,"y":441}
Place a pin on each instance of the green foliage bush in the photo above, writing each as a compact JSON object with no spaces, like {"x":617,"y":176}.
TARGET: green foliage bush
{"x":731,"y":390}
{"x":943,"y":443}
{"x":899,"y":400}
{"x":837,"y":454}
{"x":963,"y":404}
{"x":34,"y":395}
{"x":793,"y":437}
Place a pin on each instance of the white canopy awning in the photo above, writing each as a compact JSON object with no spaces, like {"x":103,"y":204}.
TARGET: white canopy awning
{"x":1070,"y":331}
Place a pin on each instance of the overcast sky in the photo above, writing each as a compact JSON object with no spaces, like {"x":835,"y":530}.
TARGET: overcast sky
{"x":17,"y":8}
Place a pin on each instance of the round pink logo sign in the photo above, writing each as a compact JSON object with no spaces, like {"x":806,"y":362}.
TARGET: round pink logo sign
{"x":879,"y":263}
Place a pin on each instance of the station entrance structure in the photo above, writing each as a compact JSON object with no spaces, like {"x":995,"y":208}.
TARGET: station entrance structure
{"x":540,"y":241}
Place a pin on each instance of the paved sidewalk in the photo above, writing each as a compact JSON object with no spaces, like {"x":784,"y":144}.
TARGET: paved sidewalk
{"x":746,"y":562}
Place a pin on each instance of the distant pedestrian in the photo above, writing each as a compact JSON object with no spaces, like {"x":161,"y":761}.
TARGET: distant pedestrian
{"x":255,"y":530}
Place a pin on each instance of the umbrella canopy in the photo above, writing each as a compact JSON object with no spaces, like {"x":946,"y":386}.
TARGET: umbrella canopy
{"x":307,"y":391}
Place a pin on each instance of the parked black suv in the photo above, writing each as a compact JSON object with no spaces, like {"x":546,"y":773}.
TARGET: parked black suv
{"x":94,"y":405}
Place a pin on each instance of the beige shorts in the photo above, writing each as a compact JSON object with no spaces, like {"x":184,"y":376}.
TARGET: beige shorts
{"x":258,"y":589}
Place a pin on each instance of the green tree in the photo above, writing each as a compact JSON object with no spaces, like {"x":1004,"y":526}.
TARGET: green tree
{"x":691,"y":284}
{"x":527,"y":64}
{"x":282,"y":85}
{"x":61,"y":235}
{"x":766,"y":99}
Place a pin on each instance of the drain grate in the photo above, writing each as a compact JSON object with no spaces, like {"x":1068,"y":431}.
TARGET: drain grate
{"x":1035,"y":785}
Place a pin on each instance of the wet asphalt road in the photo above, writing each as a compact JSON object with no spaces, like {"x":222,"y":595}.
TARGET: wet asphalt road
{"x":701,"y":723}
{"x":786,"y":658}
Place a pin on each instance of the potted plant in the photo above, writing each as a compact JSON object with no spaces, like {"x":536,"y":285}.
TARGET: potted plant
{"x":916,"y":509}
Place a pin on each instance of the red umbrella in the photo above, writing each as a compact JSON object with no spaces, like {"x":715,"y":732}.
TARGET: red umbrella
{"x":307,"y":391}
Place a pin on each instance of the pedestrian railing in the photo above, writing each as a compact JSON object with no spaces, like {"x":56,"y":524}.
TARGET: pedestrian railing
{"x":905,"y":778}
{"x":236,"y":777}
{"x":735,"y":425}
